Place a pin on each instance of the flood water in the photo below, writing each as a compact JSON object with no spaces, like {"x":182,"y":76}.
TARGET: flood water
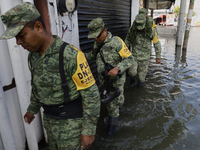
{"x":163,"y":115}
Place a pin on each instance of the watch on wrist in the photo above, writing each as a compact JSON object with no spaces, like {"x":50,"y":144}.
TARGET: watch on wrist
{"x":118,"y":68}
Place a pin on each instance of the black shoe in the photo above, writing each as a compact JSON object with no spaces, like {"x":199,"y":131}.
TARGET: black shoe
{"x":140,"y":84}
{"x":133,"y":81}
{"x":112,"y":124}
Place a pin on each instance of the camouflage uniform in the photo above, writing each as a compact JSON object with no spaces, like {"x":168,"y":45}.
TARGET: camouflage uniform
{"x":112,"y":55}
{"x":46,"y":89}
{"x":46,"y":83}
{"x":141,"y":44}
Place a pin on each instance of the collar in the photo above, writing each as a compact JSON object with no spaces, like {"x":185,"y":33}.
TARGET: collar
{"x":54,"y":48}
{"x":107,"y":39}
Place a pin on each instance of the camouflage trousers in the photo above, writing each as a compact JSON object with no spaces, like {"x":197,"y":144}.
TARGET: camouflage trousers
{"x":139,"y":68}
{"x":63,"y":134}
{"x":113,"y":106}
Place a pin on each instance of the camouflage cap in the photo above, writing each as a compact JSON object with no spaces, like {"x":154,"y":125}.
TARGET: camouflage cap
{"x":140,"y":21}
{"x":95,"y":26}
{"x":143,"y":11}
{"x":16,"y":18}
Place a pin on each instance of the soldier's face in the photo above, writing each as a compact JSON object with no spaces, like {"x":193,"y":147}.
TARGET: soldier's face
{"x":28,"y":39}
{"x":101,"y":37}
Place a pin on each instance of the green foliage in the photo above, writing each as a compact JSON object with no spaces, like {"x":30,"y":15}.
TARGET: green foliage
{"x":177,"y":9}
{"x":194,"y":13}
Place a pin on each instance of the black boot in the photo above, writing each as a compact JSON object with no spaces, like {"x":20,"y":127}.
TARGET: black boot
{"x":140,"y":84}
{"x":133,"y":81}
{"x":112,"y":124}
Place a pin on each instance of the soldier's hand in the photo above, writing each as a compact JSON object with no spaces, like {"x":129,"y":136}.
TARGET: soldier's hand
{"x":113,"y":72}
{"x":28,"y":117}
{"x":158,"y":60}
{"x":86,"y":141}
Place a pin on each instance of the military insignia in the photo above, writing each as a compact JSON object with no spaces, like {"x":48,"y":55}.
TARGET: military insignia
{"x":153,"y":25}
{"x":83,"y":77}
{"x":155,"y":39}
{"x":124,"y":52}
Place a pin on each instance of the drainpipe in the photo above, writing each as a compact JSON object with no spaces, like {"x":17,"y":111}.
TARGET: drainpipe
{"x":21,"y":84}
{"x":188,"y":25}
{"x":5,"y":125}
{"x":180,"y":28}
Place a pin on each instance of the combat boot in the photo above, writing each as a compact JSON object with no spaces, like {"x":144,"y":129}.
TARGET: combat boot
{"x":140,"y":84}
{"x":112,"y":124}
{"x":133,"y":81}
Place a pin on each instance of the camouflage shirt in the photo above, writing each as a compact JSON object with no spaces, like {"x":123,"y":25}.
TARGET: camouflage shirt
{"x":114,"y":52}
{"x":46,"y":83}
{"x":141,"y":47}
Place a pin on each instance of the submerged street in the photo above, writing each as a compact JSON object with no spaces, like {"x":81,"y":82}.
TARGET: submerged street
{"x":163,"y":115}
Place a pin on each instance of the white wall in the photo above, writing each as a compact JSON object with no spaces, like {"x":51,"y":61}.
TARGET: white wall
{"x":13,"y":64}
{"x":66,"y":26}
{"x":136,"y":5}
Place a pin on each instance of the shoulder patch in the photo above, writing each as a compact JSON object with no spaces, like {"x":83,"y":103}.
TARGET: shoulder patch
{"x":75,"y":48}
{"x":83,"y":77}
{"x":154,"y":25}
{"x":124,"y":52}
{"x":155,"y":39}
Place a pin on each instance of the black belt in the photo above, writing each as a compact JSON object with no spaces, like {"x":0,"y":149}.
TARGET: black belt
{"x":73,"y":109}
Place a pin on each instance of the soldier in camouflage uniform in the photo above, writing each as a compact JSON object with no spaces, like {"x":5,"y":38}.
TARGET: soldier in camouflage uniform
{"x":70,"y":123}
{"x":140,"y":35}
{"x":114,"y":52}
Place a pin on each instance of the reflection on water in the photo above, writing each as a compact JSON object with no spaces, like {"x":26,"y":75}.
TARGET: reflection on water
{"x":163,"y":115}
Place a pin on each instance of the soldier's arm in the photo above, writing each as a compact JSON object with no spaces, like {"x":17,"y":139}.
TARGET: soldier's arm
{"x":34,"y":105}
{"x":156,"y":44}
{"x":89,"y":92}
{"x":91,"y":109}
{"x":127,"y":57}
{"x":90,"y":55}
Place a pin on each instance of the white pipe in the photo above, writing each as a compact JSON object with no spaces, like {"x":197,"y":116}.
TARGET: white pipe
{"x":21,"y":85}
{"x":56,"y":17}
{"x":180,"y":30}
{"x":5,"y":125}
{"x":31,"y":1}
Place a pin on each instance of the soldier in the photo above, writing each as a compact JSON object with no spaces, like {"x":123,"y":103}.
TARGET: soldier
{"x":71,"y":107}
{"x":112,"y":58}
{"x":140,"y":35}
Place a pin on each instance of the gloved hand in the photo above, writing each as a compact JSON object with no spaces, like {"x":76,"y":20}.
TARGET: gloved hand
{"x":28,"y":117}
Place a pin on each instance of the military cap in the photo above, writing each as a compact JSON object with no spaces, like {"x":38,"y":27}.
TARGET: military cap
{"x":143,"y":11}
{"x":17,"y":17}
{"x":95,"y":26}
{"x":140,"y":21}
